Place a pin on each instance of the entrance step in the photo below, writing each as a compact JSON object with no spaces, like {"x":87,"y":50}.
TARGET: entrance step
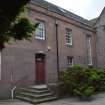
{"x":39,"y":86}
{"x":35,"y":94}
{"x":36,"y":101}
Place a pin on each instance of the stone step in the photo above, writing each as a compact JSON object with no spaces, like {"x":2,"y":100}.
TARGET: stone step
{"x":32,"y":91}
{"x":32,"y":95}
{"x":39,"y":87}
{"x":35,"y":101}
{"x":35,"y":94}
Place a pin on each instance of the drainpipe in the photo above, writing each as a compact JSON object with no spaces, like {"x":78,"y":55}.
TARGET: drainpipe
{"x":12,"y":92}
{"x":57,"y":47}
{"x":13,"y":86}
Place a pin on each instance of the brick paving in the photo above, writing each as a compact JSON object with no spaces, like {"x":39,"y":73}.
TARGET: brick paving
{"x":98,"y":100}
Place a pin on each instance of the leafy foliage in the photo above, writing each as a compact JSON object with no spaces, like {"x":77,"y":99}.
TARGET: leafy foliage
{"x":82,"y":81}
{"x":9,"y":10}
{"x":84,"y":91}
{"x":22,"y":29}
{"x":11,"y":25}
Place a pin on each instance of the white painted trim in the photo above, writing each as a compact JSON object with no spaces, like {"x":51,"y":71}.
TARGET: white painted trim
{"x":41,"y":38}
{"x":43,"y":34}
{"x":70,"y":38}
{"x":90,"y":52}
{"x":0,"y":65}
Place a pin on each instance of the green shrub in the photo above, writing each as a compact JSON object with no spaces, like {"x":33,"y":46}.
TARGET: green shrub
{"x":75,"y":67}
{"x":77,"y":80}
{"x":84,"y":91}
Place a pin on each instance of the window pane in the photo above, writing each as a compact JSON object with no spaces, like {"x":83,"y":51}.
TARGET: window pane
{"x":89,"y":55}
{"x":69,"y":36}
{"x":70,"y":61}
{"x":40,"y":31}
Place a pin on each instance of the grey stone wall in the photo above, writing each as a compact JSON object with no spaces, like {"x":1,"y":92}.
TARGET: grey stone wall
{"x":100,"y":35}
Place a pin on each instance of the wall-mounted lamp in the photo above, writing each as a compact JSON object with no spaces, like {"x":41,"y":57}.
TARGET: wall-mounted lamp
{"x":48,"y":48}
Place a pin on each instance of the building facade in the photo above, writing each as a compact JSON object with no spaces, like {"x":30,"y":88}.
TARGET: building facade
{"x":100,"y":36}
{"x":62,"y":39}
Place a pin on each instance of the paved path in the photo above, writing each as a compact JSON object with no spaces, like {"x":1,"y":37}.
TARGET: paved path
{"x":14,"y":102}
{"x":98,"y":100}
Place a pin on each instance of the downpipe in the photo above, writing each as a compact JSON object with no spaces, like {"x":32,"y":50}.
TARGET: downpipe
{"x":12,"y":92}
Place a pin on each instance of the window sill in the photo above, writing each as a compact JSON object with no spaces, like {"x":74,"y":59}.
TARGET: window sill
{"x":39,"y":38}
{"x":90,"y":65}
{"x":69,"y":45}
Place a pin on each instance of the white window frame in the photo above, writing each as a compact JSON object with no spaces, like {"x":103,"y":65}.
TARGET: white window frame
{"x":43,"y":29}
{"x":69,"y":34}
{"x":89,"y":51}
